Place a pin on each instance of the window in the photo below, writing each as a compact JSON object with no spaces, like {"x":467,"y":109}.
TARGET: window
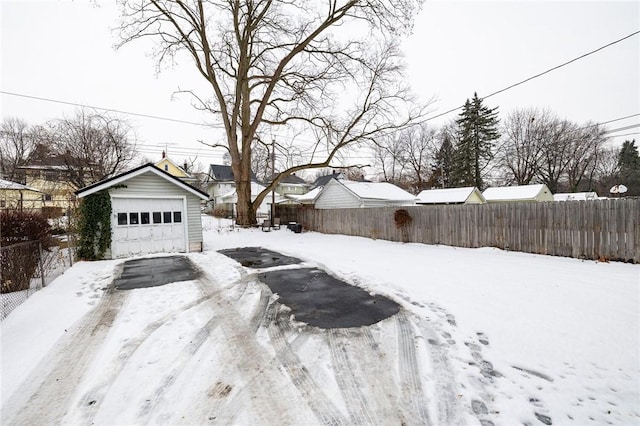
{"x":177,"y":217}
{"x":3,"y":203}
{"x":133,"y":219}
{"x":166,"y":167}
{"x":47,"y":197}
{"x":144,"y":218}
{"x":122,"y":218}
{"x":157,"y":217}
{"x":167,"y":217}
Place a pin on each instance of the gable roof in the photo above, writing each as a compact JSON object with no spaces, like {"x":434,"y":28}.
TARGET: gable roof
{"x":145,"y":168}
{"x":448,"y":195}
{"x":323,"y":180}
{"x":224,"y":173}
{"x":522,"y":192}
{"x":171,"y":162}
{"x":15,"y":186}
{"x":291,"y":179}
{"x":376,"y":190}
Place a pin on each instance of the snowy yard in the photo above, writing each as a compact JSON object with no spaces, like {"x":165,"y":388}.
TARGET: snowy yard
{"x":484,"y":337}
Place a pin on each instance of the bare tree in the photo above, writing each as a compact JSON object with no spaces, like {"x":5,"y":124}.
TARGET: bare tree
{"x":585,"y":148}
{"x":523,"y":135}
{"x":92,"y":146}
{"x":17,"y":142}
{"x":281,"y":64}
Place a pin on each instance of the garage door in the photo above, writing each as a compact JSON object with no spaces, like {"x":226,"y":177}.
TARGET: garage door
{"x":147,"y":225}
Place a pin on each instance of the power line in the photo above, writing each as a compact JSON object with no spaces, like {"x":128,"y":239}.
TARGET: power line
{"x":538,"y":75}
{"x":137,"y":114}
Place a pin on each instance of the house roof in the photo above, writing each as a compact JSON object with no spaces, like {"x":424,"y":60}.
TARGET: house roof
{"x":522,"y":192}
{"x":224,"y":173}
{"x":323,"y":180}
{"x":306,"y":198}
{"x":170,"y":161}
{"x":15,"y":186}
{"x":146,"y":168}
{"x":377,"y":190}
{"x":292,"y":179}
{"x":447,"y":195}
{"x":574,"y":196}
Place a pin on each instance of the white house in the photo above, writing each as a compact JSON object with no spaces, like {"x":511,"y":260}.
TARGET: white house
{"x":263,"y":210}
{"x":343,"y":194}
{"x":575,"y":196}
{"x":152,"y":211}
{"x":522,"y":193}
{"x":466,"y":195}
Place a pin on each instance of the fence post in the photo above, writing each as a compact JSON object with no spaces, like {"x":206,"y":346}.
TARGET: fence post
{"x":40,"y":266}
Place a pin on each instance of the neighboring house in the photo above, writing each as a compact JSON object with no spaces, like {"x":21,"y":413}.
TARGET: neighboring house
{"x":173,"y":169}
{"x":51,"y":178}
{"x":230,"y":200}
{"x":523,"y":193}
{"x":467,"y":195}
{"x":308,"y":198}
{"x":152,"y":212}
{"x":575,"y":196}
{"x":221,"y":186}
{"x":342,"y":194}
{"x":321,"y":181}
{"x":292,"y":185}
{"x":17,"y":196}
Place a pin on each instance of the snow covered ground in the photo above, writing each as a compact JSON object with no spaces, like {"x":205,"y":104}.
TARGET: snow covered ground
{"x":484,"y":337}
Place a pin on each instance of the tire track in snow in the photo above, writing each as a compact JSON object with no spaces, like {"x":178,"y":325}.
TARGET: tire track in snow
{"x":242,"y":346}
{"x":45,"y":396}
{"x":325,"y":411}
{"x":92,"y":400}
{"x":350,"y":386}
{"x":179,"y":365}
{"x":413,"y":395}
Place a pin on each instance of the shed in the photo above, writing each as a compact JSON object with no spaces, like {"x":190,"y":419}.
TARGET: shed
{"x":575,"y":196}
{"x":344,"y":194}
{"x":522,"y":193}
{"x":152,"y":212}
{"x":466,"y":195}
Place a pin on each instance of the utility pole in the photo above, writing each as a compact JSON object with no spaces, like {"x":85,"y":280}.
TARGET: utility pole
{"x":273,"y":176}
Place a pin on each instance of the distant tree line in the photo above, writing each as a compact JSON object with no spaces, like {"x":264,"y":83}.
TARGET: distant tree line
{"x":529,"y":146}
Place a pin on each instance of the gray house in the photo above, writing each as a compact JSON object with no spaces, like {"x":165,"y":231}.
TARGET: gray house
{"x":152,"y":212}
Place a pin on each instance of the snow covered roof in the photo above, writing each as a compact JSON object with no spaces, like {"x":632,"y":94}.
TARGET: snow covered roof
{"x":306,"y":198}
{"x":15,"y":186}
{"x":448,"y":195}
{"x":575,"y":196}
{"x":377,"y":190}
{"x":145,"y":168}
{"x":518,"y":193}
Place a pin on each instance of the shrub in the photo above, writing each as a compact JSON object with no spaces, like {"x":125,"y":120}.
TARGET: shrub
{"x":21,"y":233}
{"x":403,"y":219}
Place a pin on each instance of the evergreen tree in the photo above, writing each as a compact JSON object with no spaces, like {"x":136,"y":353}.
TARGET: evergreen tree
{"x":477,"y":130}
{"x":629,"y":166}
{"x":443,"y":164}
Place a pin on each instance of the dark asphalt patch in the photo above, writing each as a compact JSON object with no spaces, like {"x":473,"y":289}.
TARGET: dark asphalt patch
{"x":155,"y":271}
{"x":258,"y":257}
{"x":323,"y":301}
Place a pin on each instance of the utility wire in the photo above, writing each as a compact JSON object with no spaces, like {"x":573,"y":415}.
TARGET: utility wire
{"x":538,"y":75}
{"x":137,"y":114}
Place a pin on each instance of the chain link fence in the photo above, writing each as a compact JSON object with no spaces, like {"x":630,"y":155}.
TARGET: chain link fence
{"x":26,"y":268}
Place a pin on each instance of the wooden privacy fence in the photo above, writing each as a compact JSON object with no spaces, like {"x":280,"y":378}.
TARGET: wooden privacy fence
{"x":599,"y":229}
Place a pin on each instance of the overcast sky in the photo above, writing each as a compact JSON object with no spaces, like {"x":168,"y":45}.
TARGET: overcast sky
{"x":63,"y":50}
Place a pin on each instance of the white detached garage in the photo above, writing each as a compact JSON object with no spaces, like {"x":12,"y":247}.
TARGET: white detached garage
{"x":151,"y":212}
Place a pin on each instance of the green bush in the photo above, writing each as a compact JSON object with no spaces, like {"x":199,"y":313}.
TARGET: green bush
{"x":94,"y":226}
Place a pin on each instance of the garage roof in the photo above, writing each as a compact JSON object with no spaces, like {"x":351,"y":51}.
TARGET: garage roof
{"x":146,"y":168}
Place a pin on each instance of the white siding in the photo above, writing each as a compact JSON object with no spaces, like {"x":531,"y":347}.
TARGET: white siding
{"x":150,"y":185}
{"x":336,"y":196}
